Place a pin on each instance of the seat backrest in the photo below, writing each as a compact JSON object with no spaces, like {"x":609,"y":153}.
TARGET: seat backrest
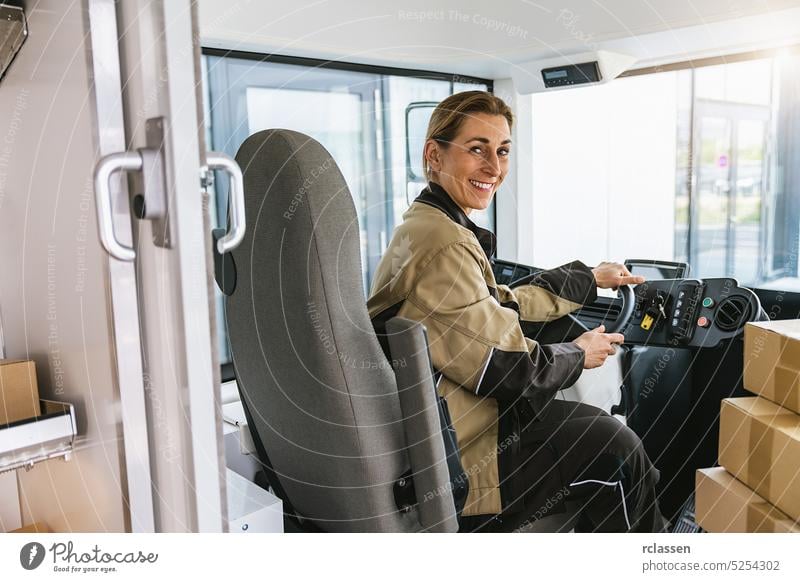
{"x":321,"y":393}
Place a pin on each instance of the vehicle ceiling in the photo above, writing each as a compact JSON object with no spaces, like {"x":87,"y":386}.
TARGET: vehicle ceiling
{"x":486,"y":39}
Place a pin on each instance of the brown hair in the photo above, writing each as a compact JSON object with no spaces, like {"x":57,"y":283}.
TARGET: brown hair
{"x":448,"y":116}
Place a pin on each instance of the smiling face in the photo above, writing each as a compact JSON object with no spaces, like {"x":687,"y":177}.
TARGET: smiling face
{"x":474,"y":164}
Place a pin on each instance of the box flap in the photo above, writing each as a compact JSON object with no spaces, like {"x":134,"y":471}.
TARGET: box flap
{"x":7,"y":362}
{"x":787,"y":327}
{"x":730,"y":505}
{"x":768,"y":413}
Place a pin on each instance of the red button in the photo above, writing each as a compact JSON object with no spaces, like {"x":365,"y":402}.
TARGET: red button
{"x":702,"y":321}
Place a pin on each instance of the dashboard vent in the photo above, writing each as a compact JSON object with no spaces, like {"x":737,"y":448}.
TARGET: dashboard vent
{"x":732,"y":313}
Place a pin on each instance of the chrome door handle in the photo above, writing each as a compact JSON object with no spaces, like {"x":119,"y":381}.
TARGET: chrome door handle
{"x":108,"y":165}
{"x":133,"y":161}
{"x":232,"y":238}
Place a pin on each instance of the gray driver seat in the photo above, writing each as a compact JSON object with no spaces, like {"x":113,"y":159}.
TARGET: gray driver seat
{"x":342,"y":434}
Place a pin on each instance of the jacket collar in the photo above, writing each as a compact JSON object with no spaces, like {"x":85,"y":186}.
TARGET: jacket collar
{"x":436,"y":196}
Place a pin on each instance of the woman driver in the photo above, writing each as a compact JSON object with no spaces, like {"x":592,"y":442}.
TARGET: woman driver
{"x":523,"y":452}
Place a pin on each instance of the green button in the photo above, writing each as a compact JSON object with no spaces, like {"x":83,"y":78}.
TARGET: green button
{"x":708,"y":302}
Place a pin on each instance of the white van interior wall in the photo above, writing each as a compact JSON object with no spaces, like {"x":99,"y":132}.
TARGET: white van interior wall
{"x":10,"y":517}
{"x":514,"y":201}
{"x":604,"y":172}
{"x":53,"y":289}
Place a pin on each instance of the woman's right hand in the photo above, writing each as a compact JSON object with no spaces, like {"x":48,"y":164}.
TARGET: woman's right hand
{"x":598,"y":345}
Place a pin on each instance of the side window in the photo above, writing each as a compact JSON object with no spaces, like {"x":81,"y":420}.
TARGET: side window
{"x":691,"y":165}
{"x":417,"y":115}
{"x":360,"y":117}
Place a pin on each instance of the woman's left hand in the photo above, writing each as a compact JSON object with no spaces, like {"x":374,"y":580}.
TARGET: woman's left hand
{"x":611,"y":275}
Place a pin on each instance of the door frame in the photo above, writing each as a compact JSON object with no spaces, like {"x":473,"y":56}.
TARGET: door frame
{"x":734,"y":113}
{"x":110,"y":138}
{"x":160,"y":60}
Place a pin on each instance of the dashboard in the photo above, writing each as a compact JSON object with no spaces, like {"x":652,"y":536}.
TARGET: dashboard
{"x":506,"y":272}
{"x":698,"y":313}
{"x":670,"y":310}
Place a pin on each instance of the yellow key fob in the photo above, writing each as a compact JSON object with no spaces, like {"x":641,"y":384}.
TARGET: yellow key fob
{"x":647,"y":322}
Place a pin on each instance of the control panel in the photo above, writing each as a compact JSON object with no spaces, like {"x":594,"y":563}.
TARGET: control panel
{"x":576,"y":74}
{"x":690,"y":312}
{"x":506,"y":272}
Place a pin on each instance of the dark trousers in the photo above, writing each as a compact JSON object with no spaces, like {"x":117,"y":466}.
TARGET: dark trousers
{"x":576,"y":454}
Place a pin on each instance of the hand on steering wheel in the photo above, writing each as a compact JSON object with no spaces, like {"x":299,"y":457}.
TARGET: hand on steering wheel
{"x":598,"y":345}
{"x":609,"y":275}
{"x":627,"y":306}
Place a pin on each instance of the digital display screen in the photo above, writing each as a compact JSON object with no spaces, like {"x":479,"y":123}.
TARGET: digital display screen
{"x":571,"y":75}
{"x":505,"y":274}
{"x":655,"y":272}
{"x":555,"y":74}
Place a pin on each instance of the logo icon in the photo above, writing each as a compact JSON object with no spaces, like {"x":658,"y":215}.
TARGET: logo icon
{"x":31,"y":555}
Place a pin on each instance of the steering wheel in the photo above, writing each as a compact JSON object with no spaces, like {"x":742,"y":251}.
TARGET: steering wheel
{"x":617,"y":325}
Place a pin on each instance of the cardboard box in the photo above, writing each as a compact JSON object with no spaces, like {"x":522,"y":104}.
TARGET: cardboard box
{"x":772,"y":361}
{"x":724,"y":504}
{"x":19,"y":392}
{"x":759,"y":444}
{"x":38,"y":527}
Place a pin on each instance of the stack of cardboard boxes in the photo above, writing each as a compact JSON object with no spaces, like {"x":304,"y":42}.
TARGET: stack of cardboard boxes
{"x":757,"y":487}
{"x":19,"y":392}
{"x":19,"y":400}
